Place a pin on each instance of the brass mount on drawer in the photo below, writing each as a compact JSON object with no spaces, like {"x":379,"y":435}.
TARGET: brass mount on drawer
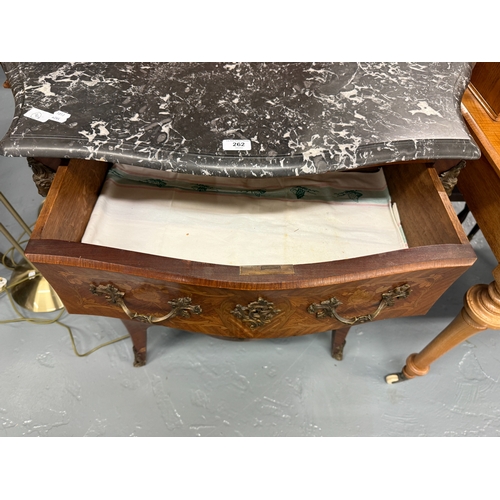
{"x":256,"y":314}
{"x":180,"y":307}
{"x":329,"y":307}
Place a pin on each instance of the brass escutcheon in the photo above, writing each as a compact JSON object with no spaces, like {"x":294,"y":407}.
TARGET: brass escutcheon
{"x":329,"y":307}
{"x":256,"y":314}
{"x":180,"y":307}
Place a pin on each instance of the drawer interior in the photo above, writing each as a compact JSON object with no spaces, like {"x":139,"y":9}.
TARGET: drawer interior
{"x":427,"y":218}
{"x":246,"y":222}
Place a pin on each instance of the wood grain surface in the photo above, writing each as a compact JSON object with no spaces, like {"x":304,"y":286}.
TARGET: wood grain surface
{"x":485,"y":84}
{"x":70,"y":201}
{"x":479,"y":181}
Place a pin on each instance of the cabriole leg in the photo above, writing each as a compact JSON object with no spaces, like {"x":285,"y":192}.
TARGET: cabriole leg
{"x":138,"y":334}
{"x":338,"y":342}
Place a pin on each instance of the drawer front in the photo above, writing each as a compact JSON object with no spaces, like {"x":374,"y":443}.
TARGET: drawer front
{"x":247,"y":313}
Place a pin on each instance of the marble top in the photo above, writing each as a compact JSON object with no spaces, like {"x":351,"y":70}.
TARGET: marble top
{"x":285,"y":119}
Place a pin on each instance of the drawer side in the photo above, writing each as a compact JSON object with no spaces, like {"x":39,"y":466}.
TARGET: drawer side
{"x":70,"y":201}
{"x":426,"y":213}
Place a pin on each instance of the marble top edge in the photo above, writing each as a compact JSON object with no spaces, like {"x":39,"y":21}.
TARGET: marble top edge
{"x":344,"y":116}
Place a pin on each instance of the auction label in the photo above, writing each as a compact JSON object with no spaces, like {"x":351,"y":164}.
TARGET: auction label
{"x":236,"y":145}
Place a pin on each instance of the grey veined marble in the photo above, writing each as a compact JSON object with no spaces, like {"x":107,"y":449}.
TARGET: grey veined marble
{"x":287,"y":119}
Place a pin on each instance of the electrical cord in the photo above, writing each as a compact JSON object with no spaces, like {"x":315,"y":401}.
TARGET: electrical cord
{"x":6,"y":262}
{"x":9,"y":263}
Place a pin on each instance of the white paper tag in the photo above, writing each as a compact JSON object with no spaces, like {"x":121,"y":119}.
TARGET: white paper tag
{"x":60,"y":116}
{"x":38,"y":115}
{"x":43,"y":116}
{"x":236,"y":145}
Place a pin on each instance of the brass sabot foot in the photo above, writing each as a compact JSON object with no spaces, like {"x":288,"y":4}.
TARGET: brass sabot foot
{"x":394,"y":378}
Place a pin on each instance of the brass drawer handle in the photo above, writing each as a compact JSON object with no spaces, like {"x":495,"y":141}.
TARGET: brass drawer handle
{"x":256,"y":314}
{"x":180,"y":307}
{"x":328,"y":307}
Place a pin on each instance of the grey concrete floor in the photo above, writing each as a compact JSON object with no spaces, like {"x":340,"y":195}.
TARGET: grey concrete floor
{"x":195,"y":385}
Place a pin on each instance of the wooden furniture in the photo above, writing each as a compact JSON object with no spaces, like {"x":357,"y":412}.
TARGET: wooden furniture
{"x":479,"y":183}
{"x":298,"y":119}
{"x":235,"y":302}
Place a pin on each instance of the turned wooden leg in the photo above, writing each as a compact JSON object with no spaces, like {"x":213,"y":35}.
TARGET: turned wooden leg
{"x":138,"y":333}
{"x":338,"y":342}
{"x":481,"y":311}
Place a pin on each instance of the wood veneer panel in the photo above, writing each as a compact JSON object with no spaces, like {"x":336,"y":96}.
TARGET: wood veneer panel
{"x":70,"y":201}
{"x":152,"y":296}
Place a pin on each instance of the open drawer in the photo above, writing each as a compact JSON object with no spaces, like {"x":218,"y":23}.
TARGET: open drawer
{"x":250,"y":301}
